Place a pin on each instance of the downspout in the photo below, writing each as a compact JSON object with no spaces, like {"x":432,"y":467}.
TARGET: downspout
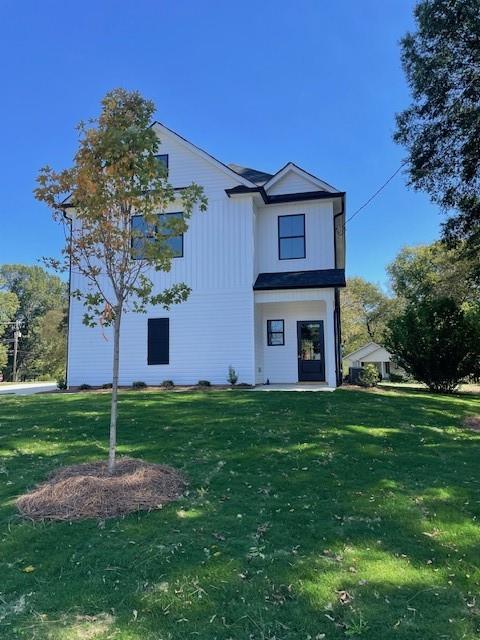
{"x":337,"y":312}
{"x":69,"y":293}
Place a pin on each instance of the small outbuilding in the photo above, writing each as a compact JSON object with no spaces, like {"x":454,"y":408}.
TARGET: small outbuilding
{"x":375,"y":354}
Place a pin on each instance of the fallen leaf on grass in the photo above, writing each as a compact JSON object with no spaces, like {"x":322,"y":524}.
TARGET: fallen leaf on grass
{"x":28,"y":569}
{"x":344,"y":597}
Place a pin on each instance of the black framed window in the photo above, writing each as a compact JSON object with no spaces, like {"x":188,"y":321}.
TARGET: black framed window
{"x":143,"y":232}
{"x":162,"y":160}
{"x":275,"y":333}
{"x":158,"y":341}
{"x":291,"y":236}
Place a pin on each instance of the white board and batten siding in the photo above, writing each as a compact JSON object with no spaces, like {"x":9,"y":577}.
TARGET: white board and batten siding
{"x":223,"y":323}
{"x":319,"y":249}
{"x":215,"y":327}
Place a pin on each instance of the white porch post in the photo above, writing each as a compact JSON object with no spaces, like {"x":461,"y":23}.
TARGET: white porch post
{"x":330,"y":343}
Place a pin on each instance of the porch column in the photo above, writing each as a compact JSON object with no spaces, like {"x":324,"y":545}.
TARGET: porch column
{"x":330,"y":342}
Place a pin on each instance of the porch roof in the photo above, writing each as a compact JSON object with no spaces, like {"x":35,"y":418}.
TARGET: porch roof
{"x":316,"y":279}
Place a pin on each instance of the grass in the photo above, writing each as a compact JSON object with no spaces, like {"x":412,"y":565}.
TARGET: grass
{"x":308,"y":516}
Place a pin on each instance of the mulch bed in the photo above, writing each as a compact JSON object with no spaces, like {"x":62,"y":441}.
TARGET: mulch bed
{"x":472,"y":422}
{"x":87,"y":491}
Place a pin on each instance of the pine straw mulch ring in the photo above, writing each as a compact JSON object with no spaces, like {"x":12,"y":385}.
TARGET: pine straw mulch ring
{"x":87,"y":491}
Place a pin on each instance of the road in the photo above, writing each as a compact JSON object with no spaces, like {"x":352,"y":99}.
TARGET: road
{"x":26,"y":388}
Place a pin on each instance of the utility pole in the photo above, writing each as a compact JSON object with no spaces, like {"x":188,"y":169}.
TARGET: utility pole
{"x":16,"y":336}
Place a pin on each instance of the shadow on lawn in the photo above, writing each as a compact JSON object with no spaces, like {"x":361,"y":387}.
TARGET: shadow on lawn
{"x":297,"y":503}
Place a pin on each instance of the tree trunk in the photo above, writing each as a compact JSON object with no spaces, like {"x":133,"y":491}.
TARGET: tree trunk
{"x":113,"y":411}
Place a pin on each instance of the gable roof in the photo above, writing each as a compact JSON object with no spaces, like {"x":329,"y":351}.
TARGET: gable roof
{"x":206,"y":156}
{"x":366,"y":350}
{"x":291,"y":167}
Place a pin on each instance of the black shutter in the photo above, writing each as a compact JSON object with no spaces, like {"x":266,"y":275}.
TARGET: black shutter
{"x":158,"y":341}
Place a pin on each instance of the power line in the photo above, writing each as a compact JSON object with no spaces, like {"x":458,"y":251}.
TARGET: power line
{"x":379,"y":190}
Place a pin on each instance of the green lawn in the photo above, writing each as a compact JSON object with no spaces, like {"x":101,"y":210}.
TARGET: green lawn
{"x":351,"y":514}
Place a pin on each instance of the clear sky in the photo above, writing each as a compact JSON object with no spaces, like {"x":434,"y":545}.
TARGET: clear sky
{"x":259,"y":83}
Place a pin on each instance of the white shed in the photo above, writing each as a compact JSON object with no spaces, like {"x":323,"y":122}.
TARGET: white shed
{"x":376,"y":354}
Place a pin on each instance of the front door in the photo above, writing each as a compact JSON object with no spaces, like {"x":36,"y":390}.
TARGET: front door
{"x":311,"y":350}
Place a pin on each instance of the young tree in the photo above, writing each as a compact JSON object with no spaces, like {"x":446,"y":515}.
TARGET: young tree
{"x":115,"y":175}
{"x":441,"y":128}
{"x":437,"y":341}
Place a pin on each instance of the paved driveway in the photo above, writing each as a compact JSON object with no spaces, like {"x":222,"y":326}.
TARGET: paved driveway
{"x":26,"y":388}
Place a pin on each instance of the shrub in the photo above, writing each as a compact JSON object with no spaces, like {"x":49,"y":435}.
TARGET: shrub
{"x":167,"y":384}
{"x":61,"y":384}
{"x":437,"y":341}
{"x":139,"y":384}
{"x":369,"y":376}
{"x":397,"y":377}
{"x":244,"y":385}
{"x":232,"y":375}
{"x":85,"y":387}
{"x":204,"y":383}
{"x":107,"y":385}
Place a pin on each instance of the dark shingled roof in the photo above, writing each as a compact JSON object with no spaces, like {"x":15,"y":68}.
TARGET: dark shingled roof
{"x":319,"y":278}
{"x":258,"y":177}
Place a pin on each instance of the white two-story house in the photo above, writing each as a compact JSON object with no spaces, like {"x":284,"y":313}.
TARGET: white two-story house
{"x":265,"y":263}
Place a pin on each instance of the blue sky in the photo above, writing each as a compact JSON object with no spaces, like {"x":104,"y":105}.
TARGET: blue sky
{"x":258,"y":83}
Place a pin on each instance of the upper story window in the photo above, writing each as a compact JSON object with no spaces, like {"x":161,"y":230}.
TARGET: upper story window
{"x":162,"y":160}
{"x":143,"y":232}
{"x":291,"y":237}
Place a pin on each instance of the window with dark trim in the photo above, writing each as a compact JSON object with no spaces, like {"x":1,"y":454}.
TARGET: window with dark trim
{"x":143,"y":233}
{"x":158,"y":341}
{"x":291,"y":236}
{"x":162,"y":160}
{"x":275,"y":333}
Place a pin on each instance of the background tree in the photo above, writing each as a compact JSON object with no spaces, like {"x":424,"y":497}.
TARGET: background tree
{"x":51,"y":351}
{"x":441,"y":128}
{"x":8,"y":307}
{"x":437,"y":341}
{"x":365,"y":310}
{"x":38,"y":292}
{"x":432,"y":271}
{"x":116,"y":174}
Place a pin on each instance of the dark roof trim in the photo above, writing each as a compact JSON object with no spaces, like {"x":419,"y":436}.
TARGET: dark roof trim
{"x":229,"y":169}
{"x":304,"y":195}
{"x":315,"y":279}
{"x":285,"y":197}
{"x":307,"y":173}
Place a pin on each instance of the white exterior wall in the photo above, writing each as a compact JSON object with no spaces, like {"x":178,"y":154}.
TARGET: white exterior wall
{"x":214,"y":328}
{"x":319,"y":245}
{"x":292,"y":183}
{"x":208,"y":333}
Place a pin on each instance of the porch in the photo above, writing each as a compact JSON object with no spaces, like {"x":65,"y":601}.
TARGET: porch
{"x":295,"y":339}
